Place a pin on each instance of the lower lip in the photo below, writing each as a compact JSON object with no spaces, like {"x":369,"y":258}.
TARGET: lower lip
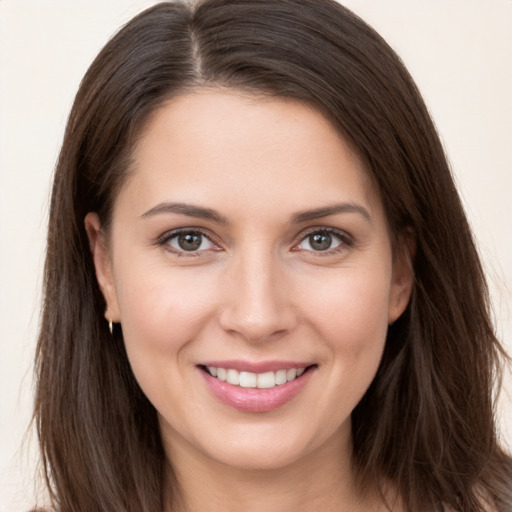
{"x":255,"y":399}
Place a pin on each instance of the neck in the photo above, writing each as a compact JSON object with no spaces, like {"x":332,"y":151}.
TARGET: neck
{"x":321,"y":481}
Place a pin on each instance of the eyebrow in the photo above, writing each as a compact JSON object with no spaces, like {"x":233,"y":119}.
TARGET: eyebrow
{"x":325,"y":211}
{"x":300,"y":217}
{"x":186,"y":209}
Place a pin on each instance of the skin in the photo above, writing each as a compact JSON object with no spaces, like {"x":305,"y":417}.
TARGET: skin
{"x":256,"y":290}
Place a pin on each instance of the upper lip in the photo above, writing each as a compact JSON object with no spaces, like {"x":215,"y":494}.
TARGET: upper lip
{"x":256,"y":366}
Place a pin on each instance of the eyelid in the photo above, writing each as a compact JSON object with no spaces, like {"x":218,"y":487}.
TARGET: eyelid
{"x":346,"y":239}
{"x":163,"y":240}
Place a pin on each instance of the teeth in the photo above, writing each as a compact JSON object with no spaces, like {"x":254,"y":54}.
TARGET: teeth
{"x":280,"y":377}
{"x":266,"y":380}
{"x":222,"y":374}
{"x":233,"y":377}
{"x":255,"y":380}
{"x":247,"y":379}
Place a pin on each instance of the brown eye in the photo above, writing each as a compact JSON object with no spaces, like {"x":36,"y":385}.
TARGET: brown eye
{"x":190,"y":241}
{"x":322,"y":240}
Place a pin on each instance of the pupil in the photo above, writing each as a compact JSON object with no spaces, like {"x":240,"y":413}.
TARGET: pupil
{"x":320,"y":241}
{"x":189,"y":241}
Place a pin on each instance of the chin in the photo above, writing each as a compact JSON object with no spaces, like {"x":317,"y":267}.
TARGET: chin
{"x":258,"y":458}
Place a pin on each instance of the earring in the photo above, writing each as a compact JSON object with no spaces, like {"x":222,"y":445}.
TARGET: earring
{"x":111,"y":327}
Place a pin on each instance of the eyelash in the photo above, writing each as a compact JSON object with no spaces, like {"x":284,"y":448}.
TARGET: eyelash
{"x":164,"y":241}
{"x":346,"y":241}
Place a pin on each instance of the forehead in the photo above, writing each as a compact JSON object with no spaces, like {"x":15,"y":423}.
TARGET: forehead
{"x":218,"y":145}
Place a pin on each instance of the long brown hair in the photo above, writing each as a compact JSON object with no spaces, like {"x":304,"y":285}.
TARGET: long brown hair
{"x":426,"y":423}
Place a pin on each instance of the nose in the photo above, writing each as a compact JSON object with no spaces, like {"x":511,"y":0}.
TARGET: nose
{"x":257,"y":305}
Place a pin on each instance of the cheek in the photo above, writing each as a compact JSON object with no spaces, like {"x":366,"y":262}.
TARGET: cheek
{"x":351,"y":309}
{"x":351,"y":318}
{"x":162,"y":312}
{"x":162,"y":308}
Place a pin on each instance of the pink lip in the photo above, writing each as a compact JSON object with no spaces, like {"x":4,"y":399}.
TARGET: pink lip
{"x":254,"y":399}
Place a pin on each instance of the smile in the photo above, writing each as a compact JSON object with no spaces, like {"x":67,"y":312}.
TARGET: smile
{"x":256,"y":387}
{"x":264,"y":380}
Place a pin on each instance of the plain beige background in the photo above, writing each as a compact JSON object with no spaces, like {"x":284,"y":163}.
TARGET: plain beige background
{"x":459,"y":52}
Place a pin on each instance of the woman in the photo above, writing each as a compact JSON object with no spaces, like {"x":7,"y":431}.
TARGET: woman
{"x":250,"y":295}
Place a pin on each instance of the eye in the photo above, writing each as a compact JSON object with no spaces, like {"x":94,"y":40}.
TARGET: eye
{"x":323,"y":240}
{"x":189,"y":241}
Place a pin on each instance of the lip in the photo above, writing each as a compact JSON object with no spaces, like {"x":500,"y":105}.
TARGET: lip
{"x":255,"y":399}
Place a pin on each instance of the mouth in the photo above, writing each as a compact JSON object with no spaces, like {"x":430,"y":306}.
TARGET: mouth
{"x":263,"y":380}
{"x":267,"y":387}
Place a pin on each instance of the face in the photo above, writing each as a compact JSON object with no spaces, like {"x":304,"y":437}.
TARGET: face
{"x":250,"y":266}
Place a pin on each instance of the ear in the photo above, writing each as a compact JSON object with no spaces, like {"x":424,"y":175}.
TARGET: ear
{"x":103,"y":265}
{"x":403,"y":276}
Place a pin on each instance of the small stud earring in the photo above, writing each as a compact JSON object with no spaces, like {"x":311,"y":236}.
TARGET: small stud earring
{"x":111,"y":327}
